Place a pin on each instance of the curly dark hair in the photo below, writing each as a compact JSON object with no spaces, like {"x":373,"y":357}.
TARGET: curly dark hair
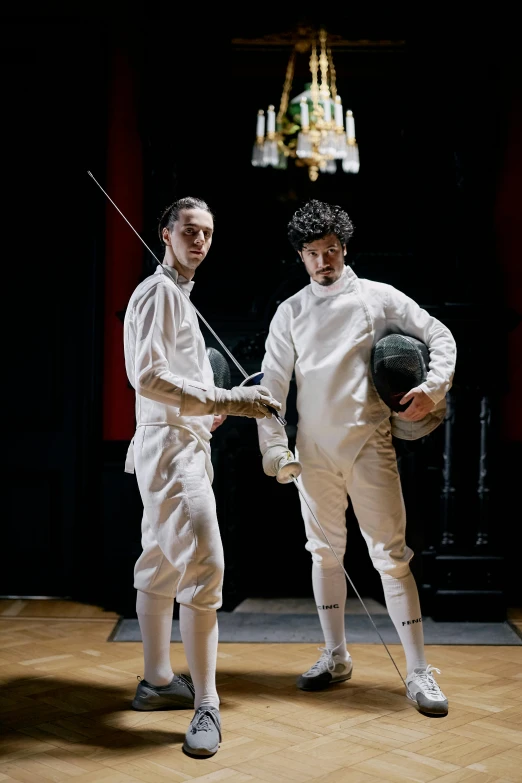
{"x":171,"y":213}
{"x":315,"y":220}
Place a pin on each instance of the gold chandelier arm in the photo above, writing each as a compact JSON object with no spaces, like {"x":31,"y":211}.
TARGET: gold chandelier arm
{"x":323,"y":62}
{"x":289,"y":77}
{"x":333,"y":84}
{"x":314,"y":89}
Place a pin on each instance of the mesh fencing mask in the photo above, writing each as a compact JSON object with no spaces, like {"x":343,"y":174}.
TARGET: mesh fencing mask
{"x":398,"y":363}
{"x":220,"y":368}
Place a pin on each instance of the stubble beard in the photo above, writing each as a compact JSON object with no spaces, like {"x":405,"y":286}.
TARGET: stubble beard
{"x":328,"y":281}
{"x":190,"y":264}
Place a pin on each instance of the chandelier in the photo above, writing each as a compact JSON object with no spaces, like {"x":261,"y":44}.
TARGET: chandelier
{"x":311,"y":127}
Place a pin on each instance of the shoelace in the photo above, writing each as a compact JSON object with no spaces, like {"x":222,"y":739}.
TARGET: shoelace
{"x":428,"y":682}
{"x":326,"y":659}
{"x":206,"y":720}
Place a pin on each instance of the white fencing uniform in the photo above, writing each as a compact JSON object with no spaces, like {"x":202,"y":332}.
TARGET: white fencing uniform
{"x":325,"y":334}
{"x":164,"y":349}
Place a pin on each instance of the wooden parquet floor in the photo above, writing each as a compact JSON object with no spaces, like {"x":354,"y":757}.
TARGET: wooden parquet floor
{"x":64,"y":710}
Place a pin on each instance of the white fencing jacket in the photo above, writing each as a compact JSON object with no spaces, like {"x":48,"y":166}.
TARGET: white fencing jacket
{"x":164,"y":349}
{"x":326,"y":334}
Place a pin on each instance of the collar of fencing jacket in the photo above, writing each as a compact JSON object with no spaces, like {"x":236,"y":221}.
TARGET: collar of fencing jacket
{"x":185,"y":285}
{"x":346,"y":283}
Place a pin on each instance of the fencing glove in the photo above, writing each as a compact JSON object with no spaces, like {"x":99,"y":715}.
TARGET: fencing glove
{"x":279,"y":461}
{"x":251,"y":401}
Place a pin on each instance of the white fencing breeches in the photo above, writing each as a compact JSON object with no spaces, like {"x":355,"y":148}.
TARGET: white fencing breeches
{"x":372,"y":482}
{"x":182,"y":551}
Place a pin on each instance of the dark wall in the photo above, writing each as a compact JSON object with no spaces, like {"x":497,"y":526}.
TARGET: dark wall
{"x":433,"y":216}
{"x":55,"y":100}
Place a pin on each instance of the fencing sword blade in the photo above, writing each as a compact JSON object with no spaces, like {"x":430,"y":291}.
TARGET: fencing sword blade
{"x":278,"y":417}
{"x":125,"y":219}
{"x":303,"y":496}
{"x":241,"y":370}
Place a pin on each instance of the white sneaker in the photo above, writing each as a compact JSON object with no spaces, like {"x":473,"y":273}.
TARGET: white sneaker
{"x":204,"y":733}
{"x":422,"y":689}
{"x":326,"y":671}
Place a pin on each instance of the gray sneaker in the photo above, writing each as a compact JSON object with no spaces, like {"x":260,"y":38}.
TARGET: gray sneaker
{"x":177,"y":695}
{"x":423,"y":690}
{"x":204,"y":733}
{"x":328,"y":670}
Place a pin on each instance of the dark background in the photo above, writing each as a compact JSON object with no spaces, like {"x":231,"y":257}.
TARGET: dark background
{"x":160,"y":103}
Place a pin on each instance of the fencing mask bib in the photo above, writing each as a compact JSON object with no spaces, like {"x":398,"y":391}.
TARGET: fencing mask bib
{"x":398,"y":363}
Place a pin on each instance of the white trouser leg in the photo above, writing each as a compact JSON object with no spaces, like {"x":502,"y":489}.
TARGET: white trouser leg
{"x":402,"y":602}
{"x":155,"y":619}
{"x":199,"y":633}
{"x":182,"y":551}
{"x":325,"y":490}
{"x":374,"y":487}
{"x":330,"y":598}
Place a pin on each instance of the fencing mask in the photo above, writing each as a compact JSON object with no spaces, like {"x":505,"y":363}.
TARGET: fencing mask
{"x":220,"y":368}
{"x":398,"y":363}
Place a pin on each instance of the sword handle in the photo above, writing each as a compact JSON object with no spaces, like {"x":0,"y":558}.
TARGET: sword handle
{"x":255,"y":380}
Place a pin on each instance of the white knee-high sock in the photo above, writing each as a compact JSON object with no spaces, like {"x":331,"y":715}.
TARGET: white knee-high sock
{"x":402,"y":602}
{"x":155,"y":619}
{"x":199,"y":633}
{"x":329,"y":586}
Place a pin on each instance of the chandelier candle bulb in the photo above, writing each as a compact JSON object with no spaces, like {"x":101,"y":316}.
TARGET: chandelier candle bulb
{"x":339,"y":113}
{"x":305,"y":119}
{"x":350,"y":127}
{"x":271,"y":118}
{"x":327,"y":110}
{"x":260,"y":131}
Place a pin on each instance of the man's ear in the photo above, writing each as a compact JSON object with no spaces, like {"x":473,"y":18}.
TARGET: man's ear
{"x":165,"y":235}
{"x":344,"y":250}
{"x":300,"y":255}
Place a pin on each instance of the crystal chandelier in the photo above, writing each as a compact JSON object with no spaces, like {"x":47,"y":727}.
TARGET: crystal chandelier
{"x":309,"y":128}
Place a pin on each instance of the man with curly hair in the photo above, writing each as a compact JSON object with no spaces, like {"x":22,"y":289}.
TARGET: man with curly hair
{"x":325,"y":334}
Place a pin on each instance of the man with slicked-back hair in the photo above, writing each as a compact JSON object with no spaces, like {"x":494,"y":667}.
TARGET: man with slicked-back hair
{"x":177,"y":408}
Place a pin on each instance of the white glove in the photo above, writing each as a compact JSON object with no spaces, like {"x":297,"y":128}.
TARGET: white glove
{"x":252,"y":401}
{"x":249,"y":401}
{"x":279,"y":461}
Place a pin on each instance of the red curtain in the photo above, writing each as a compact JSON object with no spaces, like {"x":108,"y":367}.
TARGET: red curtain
{"x":124,"y":251}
